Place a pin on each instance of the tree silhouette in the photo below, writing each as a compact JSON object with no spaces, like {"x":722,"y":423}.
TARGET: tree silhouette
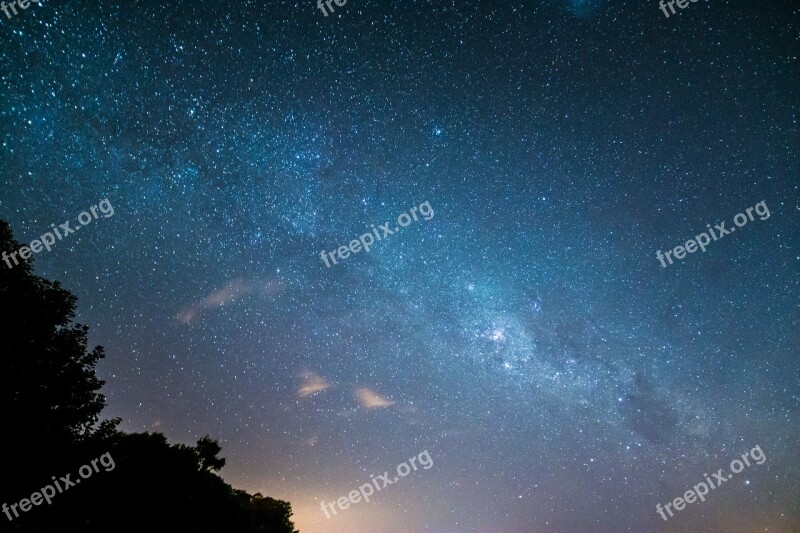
{"x":49,"y":394}
{"x":207,"y":451}
{"x":51,"y":400}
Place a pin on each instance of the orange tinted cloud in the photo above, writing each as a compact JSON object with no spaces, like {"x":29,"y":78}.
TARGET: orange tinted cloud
{"x":370,"y":399}
{"x":233,"y":291}
{"x":312,"y":384}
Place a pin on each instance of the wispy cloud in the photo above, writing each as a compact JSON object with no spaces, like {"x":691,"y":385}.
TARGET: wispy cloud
{"x":370,"y":399}
{"x":232,"y":292}
{"x":367,"y":398}
{"x":312,"y":384}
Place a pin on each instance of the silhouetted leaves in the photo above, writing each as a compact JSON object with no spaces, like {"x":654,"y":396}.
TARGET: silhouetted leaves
{"x":51,"y":402}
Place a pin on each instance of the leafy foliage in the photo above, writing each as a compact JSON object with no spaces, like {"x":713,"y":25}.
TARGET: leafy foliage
{"x":51,"y":400}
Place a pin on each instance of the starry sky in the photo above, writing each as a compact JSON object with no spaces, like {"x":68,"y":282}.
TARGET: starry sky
{"x":526,"y":336}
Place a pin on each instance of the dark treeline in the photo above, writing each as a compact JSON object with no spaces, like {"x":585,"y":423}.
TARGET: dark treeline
{"x":51,"y":404}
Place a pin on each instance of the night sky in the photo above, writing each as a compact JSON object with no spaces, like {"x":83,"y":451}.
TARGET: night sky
{"x":526,"y":335}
